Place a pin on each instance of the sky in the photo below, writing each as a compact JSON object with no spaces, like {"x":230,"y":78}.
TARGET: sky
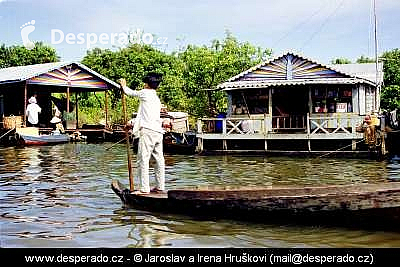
{"x":318,"y":29}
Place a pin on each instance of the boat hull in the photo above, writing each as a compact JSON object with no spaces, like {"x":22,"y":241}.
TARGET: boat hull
{"x":358,"y":206}
{"x":43,"y":139}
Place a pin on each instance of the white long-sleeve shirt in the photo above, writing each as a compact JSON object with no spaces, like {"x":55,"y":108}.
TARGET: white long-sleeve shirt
{"x":149,"y":109}
{"x":32,"y":111}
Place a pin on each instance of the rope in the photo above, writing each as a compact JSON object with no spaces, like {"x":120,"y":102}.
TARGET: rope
{"x":341,"y":148}
{"x":123,"y":139}
{"x":7,"y":133}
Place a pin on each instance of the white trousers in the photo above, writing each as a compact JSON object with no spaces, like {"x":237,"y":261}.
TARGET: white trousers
{"x":150,"y":144}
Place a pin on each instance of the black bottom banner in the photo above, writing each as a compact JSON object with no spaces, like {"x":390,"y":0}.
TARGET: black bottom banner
{"x":203,"y":256}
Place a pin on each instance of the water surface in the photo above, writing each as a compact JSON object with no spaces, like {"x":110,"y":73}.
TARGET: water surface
{"x":60,"y":196}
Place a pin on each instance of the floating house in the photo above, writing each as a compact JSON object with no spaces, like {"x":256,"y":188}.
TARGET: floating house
{"x":294,"y":104}
{"x":18,"y":84}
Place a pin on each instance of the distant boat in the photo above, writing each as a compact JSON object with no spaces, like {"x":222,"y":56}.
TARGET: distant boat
{"x":45,"y":139}
{"x":30,"y":136}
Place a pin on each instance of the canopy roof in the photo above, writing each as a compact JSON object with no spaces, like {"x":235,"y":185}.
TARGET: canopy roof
{"x":292,"y":69}
{"x":61,"y":74}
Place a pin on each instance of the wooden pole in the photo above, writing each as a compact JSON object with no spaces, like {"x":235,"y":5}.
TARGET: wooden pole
{"x":128,"y":146}
{"x":25,"y":101}
{"x":76,"y":111}
{"x":67,"y":99}
{"x":377,"y":86}
{"x":106,"y":106}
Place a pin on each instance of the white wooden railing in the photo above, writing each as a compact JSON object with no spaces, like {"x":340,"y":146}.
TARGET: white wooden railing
{"x":333,"y":123}
{"x":314,"y":124}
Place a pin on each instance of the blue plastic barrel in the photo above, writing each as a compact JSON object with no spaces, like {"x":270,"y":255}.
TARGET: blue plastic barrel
{"x":218,"y":123}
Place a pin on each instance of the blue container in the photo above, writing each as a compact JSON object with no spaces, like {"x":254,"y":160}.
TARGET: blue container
{"x":218,"y":123}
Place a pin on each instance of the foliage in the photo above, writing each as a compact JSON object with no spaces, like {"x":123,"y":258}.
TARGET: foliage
{"x":19,"y":56}
{"x":390,"y":97}
{"x":186,"y":73}
{"x":341,"y":61}
{"x":364,"y":59}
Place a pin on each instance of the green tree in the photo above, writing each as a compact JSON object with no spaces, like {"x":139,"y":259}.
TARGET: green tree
{"x":11,"y":56}
{"x":186,"y":73}
{"x":340,"y":61}
{"x":207,"y":66}
{"x":132,"y":63}
{"x":390,"y":98}
{"x":364,"y":59}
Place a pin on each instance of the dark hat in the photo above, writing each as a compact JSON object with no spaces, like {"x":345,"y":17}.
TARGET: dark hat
{"x":152,"y":77}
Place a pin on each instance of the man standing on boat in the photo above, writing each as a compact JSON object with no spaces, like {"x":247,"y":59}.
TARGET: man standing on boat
{"x":149,"y":126}
{"x":32,"y":112}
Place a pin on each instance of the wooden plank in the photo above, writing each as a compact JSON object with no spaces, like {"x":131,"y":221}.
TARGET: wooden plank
{"x":361,"y":100}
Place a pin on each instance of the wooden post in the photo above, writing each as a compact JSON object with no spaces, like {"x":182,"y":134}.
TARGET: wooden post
{"x":308,"y":132}
{"x":224,"y":126}
{"x":128,"y":146}
{"x":67,"y":99}
{"x":76,"y":111}
{"x":269,"y":128}
{"x":310,"y":107}
{"x":353,"y":145}
{"x":199,"y":126}
{"x":106,"y":106}
{"x":25,"y":101}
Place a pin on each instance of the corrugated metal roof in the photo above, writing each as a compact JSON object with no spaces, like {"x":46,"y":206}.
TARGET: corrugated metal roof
{"x":357,"y":73}
{"x":278,"y":57}
{"x":22,"y":73}
{"x":362,"y":70}
{"x":257,"y":84}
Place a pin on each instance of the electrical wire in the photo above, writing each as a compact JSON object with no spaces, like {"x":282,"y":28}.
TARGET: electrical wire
{"x":323,"y":24}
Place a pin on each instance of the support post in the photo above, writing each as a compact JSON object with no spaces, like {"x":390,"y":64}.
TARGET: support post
{"x":25,"y":101}
{"x":224,"y":126}
{"x":76,"y":111}
{"x":67,"y":99}
{"x":199,"y":126}
{"x":308,"y":132}
{"x":106,"y":106}
{"x":353,"y":145}
{"x":310,"y":107}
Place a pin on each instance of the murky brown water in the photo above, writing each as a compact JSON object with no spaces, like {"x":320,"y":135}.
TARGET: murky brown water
{"x":60,"y":196}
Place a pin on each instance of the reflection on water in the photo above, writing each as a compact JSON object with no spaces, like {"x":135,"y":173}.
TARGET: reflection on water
{"x":60,"y":196}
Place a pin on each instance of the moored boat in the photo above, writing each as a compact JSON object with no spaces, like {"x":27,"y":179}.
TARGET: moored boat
{"x":30,"y":136}
{"x":45,"y":139}
{"x":360,"y":205}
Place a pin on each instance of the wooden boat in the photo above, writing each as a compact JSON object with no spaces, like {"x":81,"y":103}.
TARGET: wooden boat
{"x":43,"y":139}
{"x":362,"y":205}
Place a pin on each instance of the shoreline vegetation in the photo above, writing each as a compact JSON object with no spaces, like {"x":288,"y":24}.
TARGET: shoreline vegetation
{"x":187,"y":73}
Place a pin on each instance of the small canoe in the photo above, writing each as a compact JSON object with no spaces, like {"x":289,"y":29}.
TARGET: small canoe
{"x":43,"y":139}
{"x":362,"y":205}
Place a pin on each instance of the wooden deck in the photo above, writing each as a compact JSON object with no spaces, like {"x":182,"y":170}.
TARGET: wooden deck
{"x":310,"y":131}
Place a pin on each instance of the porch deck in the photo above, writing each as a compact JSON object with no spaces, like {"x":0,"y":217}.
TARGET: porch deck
{"x":307,"y":133}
